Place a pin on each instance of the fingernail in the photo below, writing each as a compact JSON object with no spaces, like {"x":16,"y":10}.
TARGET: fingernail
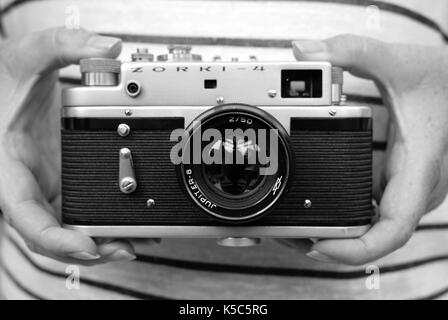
{"x":84,"y":255}
{"x":103,"y":43}
{"x":121,"y":255}
{"x":316,"y":255}
{"x":309,"y":46}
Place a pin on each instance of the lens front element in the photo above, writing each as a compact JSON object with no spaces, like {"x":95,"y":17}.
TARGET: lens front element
{"x":245,"y":162}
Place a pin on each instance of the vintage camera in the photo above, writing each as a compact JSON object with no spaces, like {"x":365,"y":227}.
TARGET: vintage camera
{"x":118,"y":145}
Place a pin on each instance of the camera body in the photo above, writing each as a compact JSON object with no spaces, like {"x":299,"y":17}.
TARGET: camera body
{"x":119,"y":173}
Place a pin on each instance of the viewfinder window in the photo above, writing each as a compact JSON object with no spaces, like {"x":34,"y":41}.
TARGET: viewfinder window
{"x":301,"y":84}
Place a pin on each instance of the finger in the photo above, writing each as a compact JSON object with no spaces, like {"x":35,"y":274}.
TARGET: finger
{"x":115,"y":250}
{"x":55,"y":48}
{"x":405,"y":200}
{"x":18,"y":240}
{"x":146,"y":241}
{"x":301,"y":245}
{"x":362,"y":56}
{"x":26,"y":210}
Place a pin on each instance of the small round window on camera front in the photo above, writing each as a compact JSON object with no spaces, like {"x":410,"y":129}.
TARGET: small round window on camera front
{"x":133,"y":88}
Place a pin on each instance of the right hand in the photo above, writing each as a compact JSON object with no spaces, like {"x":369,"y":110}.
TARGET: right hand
{"x":413,"y":81}
{"x":30,"y":195}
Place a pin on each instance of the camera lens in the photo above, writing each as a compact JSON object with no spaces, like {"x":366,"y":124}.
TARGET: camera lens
{"x":245,"y":164}
{"x":235,"y":180}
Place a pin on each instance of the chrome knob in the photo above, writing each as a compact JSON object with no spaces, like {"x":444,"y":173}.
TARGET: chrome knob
{"x":179,"y":53}
{"x":100,"y":72}
{"x":142,"y":55}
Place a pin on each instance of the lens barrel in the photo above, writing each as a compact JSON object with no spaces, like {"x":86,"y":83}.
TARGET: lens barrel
{"x":237,"y":163}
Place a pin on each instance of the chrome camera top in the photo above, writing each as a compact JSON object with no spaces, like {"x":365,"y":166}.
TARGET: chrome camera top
{"x":236,"y":151}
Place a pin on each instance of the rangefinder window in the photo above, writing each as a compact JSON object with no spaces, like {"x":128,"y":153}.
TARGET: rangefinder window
{"x":301,"y":84}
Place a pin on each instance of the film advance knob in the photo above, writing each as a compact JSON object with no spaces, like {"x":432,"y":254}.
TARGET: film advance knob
{"x":100,"y":72}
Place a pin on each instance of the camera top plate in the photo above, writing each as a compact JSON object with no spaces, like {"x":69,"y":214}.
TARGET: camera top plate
{"x":190,"y":82}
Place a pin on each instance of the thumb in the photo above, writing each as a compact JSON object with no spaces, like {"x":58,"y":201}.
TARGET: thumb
{"x":405,"y":200}
{"x":362,"y":56}
{"x":54,"y":48}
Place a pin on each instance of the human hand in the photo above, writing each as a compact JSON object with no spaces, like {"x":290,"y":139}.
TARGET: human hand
{"x":413,"y":81}
{"x":30,"y":142}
